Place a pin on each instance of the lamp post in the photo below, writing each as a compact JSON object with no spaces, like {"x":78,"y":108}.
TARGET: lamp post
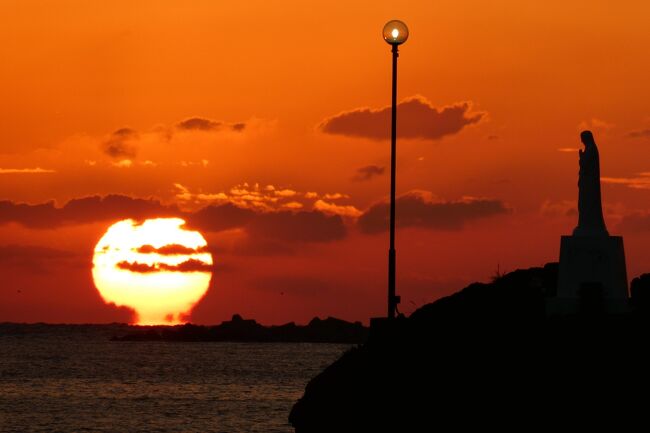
{"x":395,"y":33}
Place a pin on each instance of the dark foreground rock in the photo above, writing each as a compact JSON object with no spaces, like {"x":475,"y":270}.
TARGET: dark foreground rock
{"x":329,"y":330}
{"x":488,"y":357}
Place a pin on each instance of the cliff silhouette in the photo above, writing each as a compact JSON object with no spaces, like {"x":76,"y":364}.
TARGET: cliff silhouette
{"x":488,"y":356}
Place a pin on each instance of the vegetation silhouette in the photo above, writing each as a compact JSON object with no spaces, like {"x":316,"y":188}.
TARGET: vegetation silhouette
{"x":488,"y":356}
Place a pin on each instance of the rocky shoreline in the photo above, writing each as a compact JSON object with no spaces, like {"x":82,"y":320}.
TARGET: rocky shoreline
{"x":330,"y":330}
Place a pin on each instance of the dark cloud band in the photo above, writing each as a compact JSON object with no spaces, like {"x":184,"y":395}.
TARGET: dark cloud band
{"x":417,"y":119}
{"x":121,"y":144}
{"x":203,"y":124}
{"x":368,"y":172}
{"x":285,"y":226}
{"x":170,"y":250}
{"x":417,"y":209}
{"x":190,"y":265}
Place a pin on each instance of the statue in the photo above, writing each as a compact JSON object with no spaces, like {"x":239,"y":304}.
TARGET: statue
{"x":590,"y":218}
{"x":592,"y":263}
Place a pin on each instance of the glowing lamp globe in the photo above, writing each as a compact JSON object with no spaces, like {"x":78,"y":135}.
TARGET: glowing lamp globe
{"x":395,"y":32}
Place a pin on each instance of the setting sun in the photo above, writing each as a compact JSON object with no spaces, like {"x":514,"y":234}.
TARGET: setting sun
{"x":157,"y":268}
{"x":203,"y":204}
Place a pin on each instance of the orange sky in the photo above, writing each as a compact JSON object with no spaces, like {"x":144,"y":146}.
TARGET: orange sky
{"x":259,"y":82}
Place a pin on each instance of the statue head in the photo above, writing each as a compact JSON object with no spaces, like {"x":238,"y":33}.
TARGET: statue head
{"x":587,"y":138}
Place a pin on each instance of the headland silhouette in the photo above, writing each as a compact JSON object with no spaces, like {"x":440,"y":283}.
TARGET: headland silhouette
{"x":559,"y":345}
{"x":489,"y":357}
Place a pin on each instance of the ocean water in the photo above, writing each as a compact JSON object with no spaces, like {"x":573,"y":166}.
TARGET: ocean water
{"x":73,"y":379}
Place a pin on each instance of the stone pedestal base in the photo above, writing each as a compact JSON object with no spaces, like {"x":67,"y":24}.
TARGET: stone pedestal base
{"x":592,"y":261}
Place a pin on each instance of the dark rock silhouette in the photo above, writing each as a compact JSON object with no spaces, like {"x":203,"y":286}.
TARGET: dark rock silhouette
{"x":488,"y":356}
{"x":640,"y":293}
{"x":330,"y":330}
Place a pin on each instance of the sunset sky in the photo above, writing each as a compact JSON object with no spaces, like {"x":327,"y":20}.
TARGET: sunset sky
{"x":264,"y":125}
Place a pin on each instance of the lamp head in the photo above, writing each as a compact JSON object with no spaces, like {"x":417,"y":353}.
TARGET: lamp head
{"x":395,"y":32}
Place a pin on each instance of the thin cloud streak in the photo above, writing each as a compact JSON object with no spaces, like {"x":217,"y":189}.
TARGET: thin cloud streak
{"x":37,"y":170}
{"x":641,"y":181}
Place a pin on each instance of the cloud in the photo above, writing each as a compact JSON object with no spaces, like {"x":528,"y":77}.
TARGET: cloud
{"x":190,"y":265}
{"x":203,"y":124}
{"x":270,"y":229}
{"x":255,"y":197}
{"x":125,"y":144}
{"x":263,"y":227}
{"x":202,"y":163}
{"x":169,"y":250}
{"x":121,"y":144}
{"x":141,"y":268}
{"x":262,"y":198}
{"x":216,"y":218}
{"x":269,"y":213}
{"x":198,"y":124}
{"x":640,"y":181}
{"x":32,"y":216}
{"x":284,"y":192}
{"x":304,"y":226}
{"x":641,"y":133}
{"x":113,"y":207}
{"x":335,"y":196}
{"x":37,"y":170}
{"x":417,"y":119}
{"x":368,"y":172}
{"x":124,"y":163}
{"x":184,"y":195}
{"x":287,"y":224}
{"x":334,"y":209}
{"x":82,"y":211}
{"x":419,"y":209}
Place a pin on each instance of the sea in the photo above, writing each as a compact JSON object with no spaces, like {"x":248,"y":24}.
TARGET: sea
{"x":73,"y":378}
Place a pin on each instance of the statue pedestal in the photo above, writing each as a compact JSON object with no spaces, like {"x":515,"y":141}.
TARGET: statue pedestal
{"x":588,"y":262}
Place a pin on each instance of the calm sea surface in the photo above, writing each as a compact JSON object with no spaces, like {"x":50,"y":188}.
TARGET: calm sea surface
{"x":73,"y":379}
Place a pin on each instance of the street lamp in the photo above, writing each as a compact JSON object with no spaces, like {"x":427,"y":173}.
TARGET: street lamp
{"x":395,"y":33}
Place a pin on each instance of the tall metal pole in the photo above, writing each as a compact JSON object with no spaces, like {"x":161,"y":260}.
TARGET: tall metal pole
{"x":393,"y":300}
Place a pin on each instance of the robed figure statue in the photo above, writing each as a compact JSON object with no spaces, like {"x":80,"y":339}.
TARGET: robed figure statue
{"x":592,"y":274}
{"x":590,"y":211}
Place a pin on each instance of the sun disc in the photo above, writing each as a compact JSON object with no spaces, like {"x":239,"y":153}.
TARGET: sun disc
{"x":157,"y":267}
